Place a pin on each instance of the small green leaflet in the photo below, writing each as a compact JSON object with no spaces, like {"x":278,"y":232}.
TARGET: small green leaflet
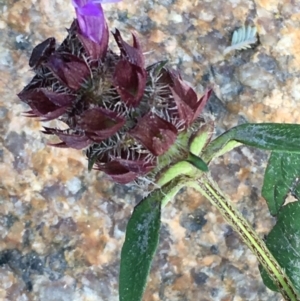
{"x":284,"y":243}
{"x":140,"y":244}
{"x":281,"y":177}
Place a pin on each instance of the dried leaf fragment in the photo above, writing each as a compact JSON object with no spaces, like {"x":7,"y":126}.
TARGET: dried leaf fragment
{"x":242,"y":38}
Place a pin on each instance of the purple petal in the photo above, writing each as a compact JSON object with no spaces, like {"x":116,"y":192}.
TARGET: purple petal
{"x":94,"y":50}
{"x":81,"y":3}
{"x":90,"y":18}
{"x":90,"y":9}
{"x":105,"y":1}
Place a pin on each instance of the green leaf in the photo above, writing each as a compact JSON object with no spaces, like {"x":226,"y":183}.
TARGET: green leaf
{"x":197,"y":162}
{"x":268,"y":136}
{"x":281,"y":178}
{"x":140,"y":244}
{"x":284,"y":243}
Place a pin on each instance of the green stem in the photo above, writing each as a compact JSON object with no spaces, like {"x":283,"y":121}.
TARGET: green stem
{"x":211,"y":191}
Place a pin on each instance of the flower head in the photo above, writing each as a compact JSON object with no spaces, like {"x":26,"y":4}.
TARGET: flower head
{"x":131,"y":120}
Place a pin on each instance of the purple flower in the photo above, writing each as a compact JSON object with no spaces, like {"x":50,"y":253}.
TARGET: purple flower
{"x":90,"y":18}
{"x":131,"y":119}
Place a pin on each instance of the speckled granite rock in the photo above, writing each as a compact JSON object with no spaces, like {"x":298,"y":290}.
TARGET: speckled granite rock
{"x":62,"y":228}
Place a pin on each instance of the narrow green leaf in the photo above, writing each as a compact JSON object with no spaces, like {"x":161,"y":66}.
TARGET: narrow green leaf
{"x":268,"y":136}
{"x":140,"y":244}
{"x":197,"y":162}
{"x":281,"y":177}
{"x":284,"y":243}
